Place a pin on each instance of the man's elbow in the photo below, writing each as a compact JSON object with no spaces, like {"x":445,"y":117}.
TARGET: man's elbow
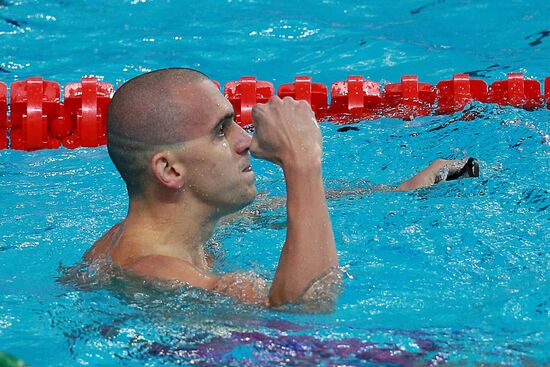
{"x":321,"y":295}
{"x":282,"y":293}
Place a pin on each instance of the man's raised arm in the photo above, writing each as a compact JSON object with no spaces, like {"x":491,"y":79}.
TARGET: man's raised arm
{"x":287,"y":134}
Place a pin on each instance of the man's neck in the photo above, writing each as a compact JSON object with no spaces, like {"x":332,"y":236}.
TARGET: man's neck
{"x":167,"y":228}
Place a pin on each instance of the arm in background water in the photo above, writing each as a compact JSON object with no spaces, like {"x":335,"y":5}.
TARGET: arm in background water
{"x":438,"y":171}
{"x":441,"y":170}
{"x":287,"y":134}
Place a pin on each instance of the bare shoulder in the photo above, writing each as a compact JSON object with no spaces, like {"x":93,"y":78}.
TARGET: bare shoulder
{"x":103,"y":245}
{"x":170,"y":269}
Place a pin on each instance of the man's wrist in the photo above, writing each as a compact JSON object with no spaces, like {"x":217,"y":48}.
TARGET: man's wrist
{"x":302,"y":165}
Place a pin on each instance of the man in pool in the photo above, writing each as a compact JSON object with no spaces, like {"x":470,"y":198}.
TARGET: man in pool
{"x":186,"y":164}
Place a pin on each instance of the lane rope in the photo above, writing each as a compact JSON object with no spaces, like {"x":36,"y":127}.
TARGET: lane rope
{"x":37,"y":118}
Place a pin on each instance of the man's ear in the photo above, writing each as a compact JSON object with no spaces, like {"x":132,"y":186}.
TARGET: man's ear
{"x":168,"y":170}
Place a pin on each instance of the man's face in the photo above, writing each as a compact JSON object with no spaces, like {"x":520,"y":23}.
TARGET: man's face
{"x":215,"y":154}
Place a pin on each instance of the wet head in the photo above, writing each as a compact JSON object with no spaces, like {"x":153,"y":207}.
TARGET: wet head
{"x":172,"y":136}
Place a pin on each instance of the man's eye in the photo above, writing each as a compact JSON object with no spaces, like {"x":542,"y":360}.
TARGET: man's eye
{"x":221,"y":130}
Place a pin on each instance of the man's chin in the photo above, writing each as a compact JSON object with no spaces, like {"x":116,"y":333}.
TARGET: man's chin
{"x":249,"y":197}
{"x":243,"y":200}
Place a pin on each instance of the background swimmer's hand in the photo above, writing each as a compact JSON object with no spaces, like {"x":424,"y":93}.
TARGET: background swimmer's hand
{"x":285,"y":132}
{"x":441,"y":170}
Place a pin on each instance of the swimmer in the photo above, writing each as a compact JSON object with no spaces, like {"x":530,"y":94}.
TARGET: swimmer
{"x":186,"y":165}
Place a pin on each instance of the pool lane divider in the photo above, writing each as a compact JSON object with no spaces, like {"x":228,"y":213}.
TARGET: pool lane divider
{"x":3,"y":116}
{"x":38,"y":119}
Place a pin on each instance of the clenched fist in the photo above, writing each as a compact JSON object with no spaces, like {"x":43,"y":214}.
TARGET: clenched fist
{"x":286,"y":132}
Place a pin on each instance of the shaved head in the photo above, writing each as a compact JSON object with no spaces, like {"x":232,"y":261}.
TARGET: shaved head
{"x":148,"y":114}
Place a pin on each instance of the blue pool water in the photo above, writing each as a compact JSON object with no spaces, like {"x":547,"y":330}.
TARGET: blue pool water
{"x":456,"y":273}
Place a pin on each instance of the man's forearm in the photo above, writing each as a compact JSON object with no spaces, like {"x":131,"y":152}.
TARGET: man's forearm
{"x":309,"y":249}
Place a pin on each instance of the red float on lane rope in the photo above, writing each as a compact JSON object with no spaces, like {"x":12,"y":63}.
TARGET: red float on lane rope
{"x":355,"y":99}
{"x":86,"y":106}
{"x":409,"y":98}
{"x":34,"y":107}
{"x":547,"y":92}
{"x":39,"y":121}
{"x":455,"y":94}
{"x":316,"y":94}
{"x":3,"y":116}
{"x":245,"y":94}
{"x":516,"y":91}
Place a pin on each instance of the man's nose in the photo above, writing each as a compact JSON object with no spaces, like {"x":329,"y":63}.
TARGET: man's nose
{"x":241,"y":139}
